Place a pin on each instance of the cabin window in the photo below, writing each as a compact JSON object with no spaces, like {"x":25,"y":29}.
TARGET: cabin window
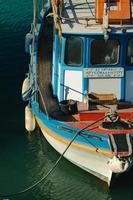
{"x":129,"y":58}
{"x":73,"y":51}
{"x":104,"y":52}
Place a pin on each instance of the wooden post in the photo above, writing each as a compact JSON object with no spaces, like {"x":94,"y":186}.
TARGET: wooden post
{"x":55,"y":7}
{"x":35,"y":12}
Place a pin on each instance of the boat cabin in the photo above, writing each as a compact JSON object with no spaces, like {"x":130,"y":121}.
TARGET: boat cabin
{"x":91,"y":56}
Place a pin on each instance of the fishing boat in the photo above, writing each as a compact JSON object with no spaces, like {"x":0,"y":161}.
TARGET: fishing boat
{"x":79,"y":86}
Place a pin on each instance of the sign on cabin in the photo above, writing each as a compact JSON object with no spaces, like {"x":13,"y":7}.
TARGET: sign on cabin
{"x":104,"y":72}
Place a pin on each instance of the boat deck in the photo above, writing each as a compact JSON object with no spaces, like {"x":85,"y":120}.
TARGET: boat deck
{"x":96,"y":128}
{"x":84,"y":115}
{"x":80,"y":16}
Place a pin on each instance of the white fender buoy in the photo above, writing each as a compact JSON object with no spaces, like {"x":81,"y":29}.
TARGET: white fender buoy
{"x":30,"y":123}
{"x":25,"y":85}
{"x":118,"y":166}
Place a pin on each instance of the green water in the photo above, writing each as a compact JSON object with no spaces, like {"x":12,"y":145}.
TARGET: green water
{"x":24,"y":159}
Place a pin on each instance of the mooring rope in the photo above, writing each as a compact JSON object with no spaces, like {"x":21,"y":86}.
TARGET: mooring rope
{"x":55,"y":165}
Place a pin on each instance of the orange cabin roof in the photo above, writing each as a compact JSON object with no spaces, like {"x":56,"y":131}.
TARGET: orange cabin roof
{"x":120,"y":11}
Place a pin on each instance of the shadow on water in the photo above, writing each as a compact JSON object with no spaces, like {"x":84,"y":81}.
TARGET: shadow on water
{"x":122,"y":189}
{"x":13,"y":62}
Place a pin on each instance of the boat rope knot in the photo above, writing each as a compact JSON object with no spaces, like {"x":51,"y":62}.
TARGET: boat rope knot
{"x":114,"y":121}
{"x":112,"y":116}
{"x":118,"y":165}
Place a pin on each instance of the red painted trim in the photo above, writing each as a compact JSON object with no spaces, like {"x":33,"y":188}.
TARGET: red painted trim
{"x":90,"y":116}
{"x":96,"y":116}
{"x":96,"y":128}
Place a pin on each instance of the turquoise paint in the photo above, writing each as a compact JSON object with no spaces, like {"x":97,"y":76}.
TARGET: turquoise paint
{"x":55,"y":68}
{"x":53,"y":125}
{"x":64,"y":67}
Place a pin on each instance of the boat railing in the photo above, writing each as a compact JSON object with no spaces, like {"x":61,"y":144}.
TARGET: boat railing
{"x":100,"y":11}
{"x":104,"y":12}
